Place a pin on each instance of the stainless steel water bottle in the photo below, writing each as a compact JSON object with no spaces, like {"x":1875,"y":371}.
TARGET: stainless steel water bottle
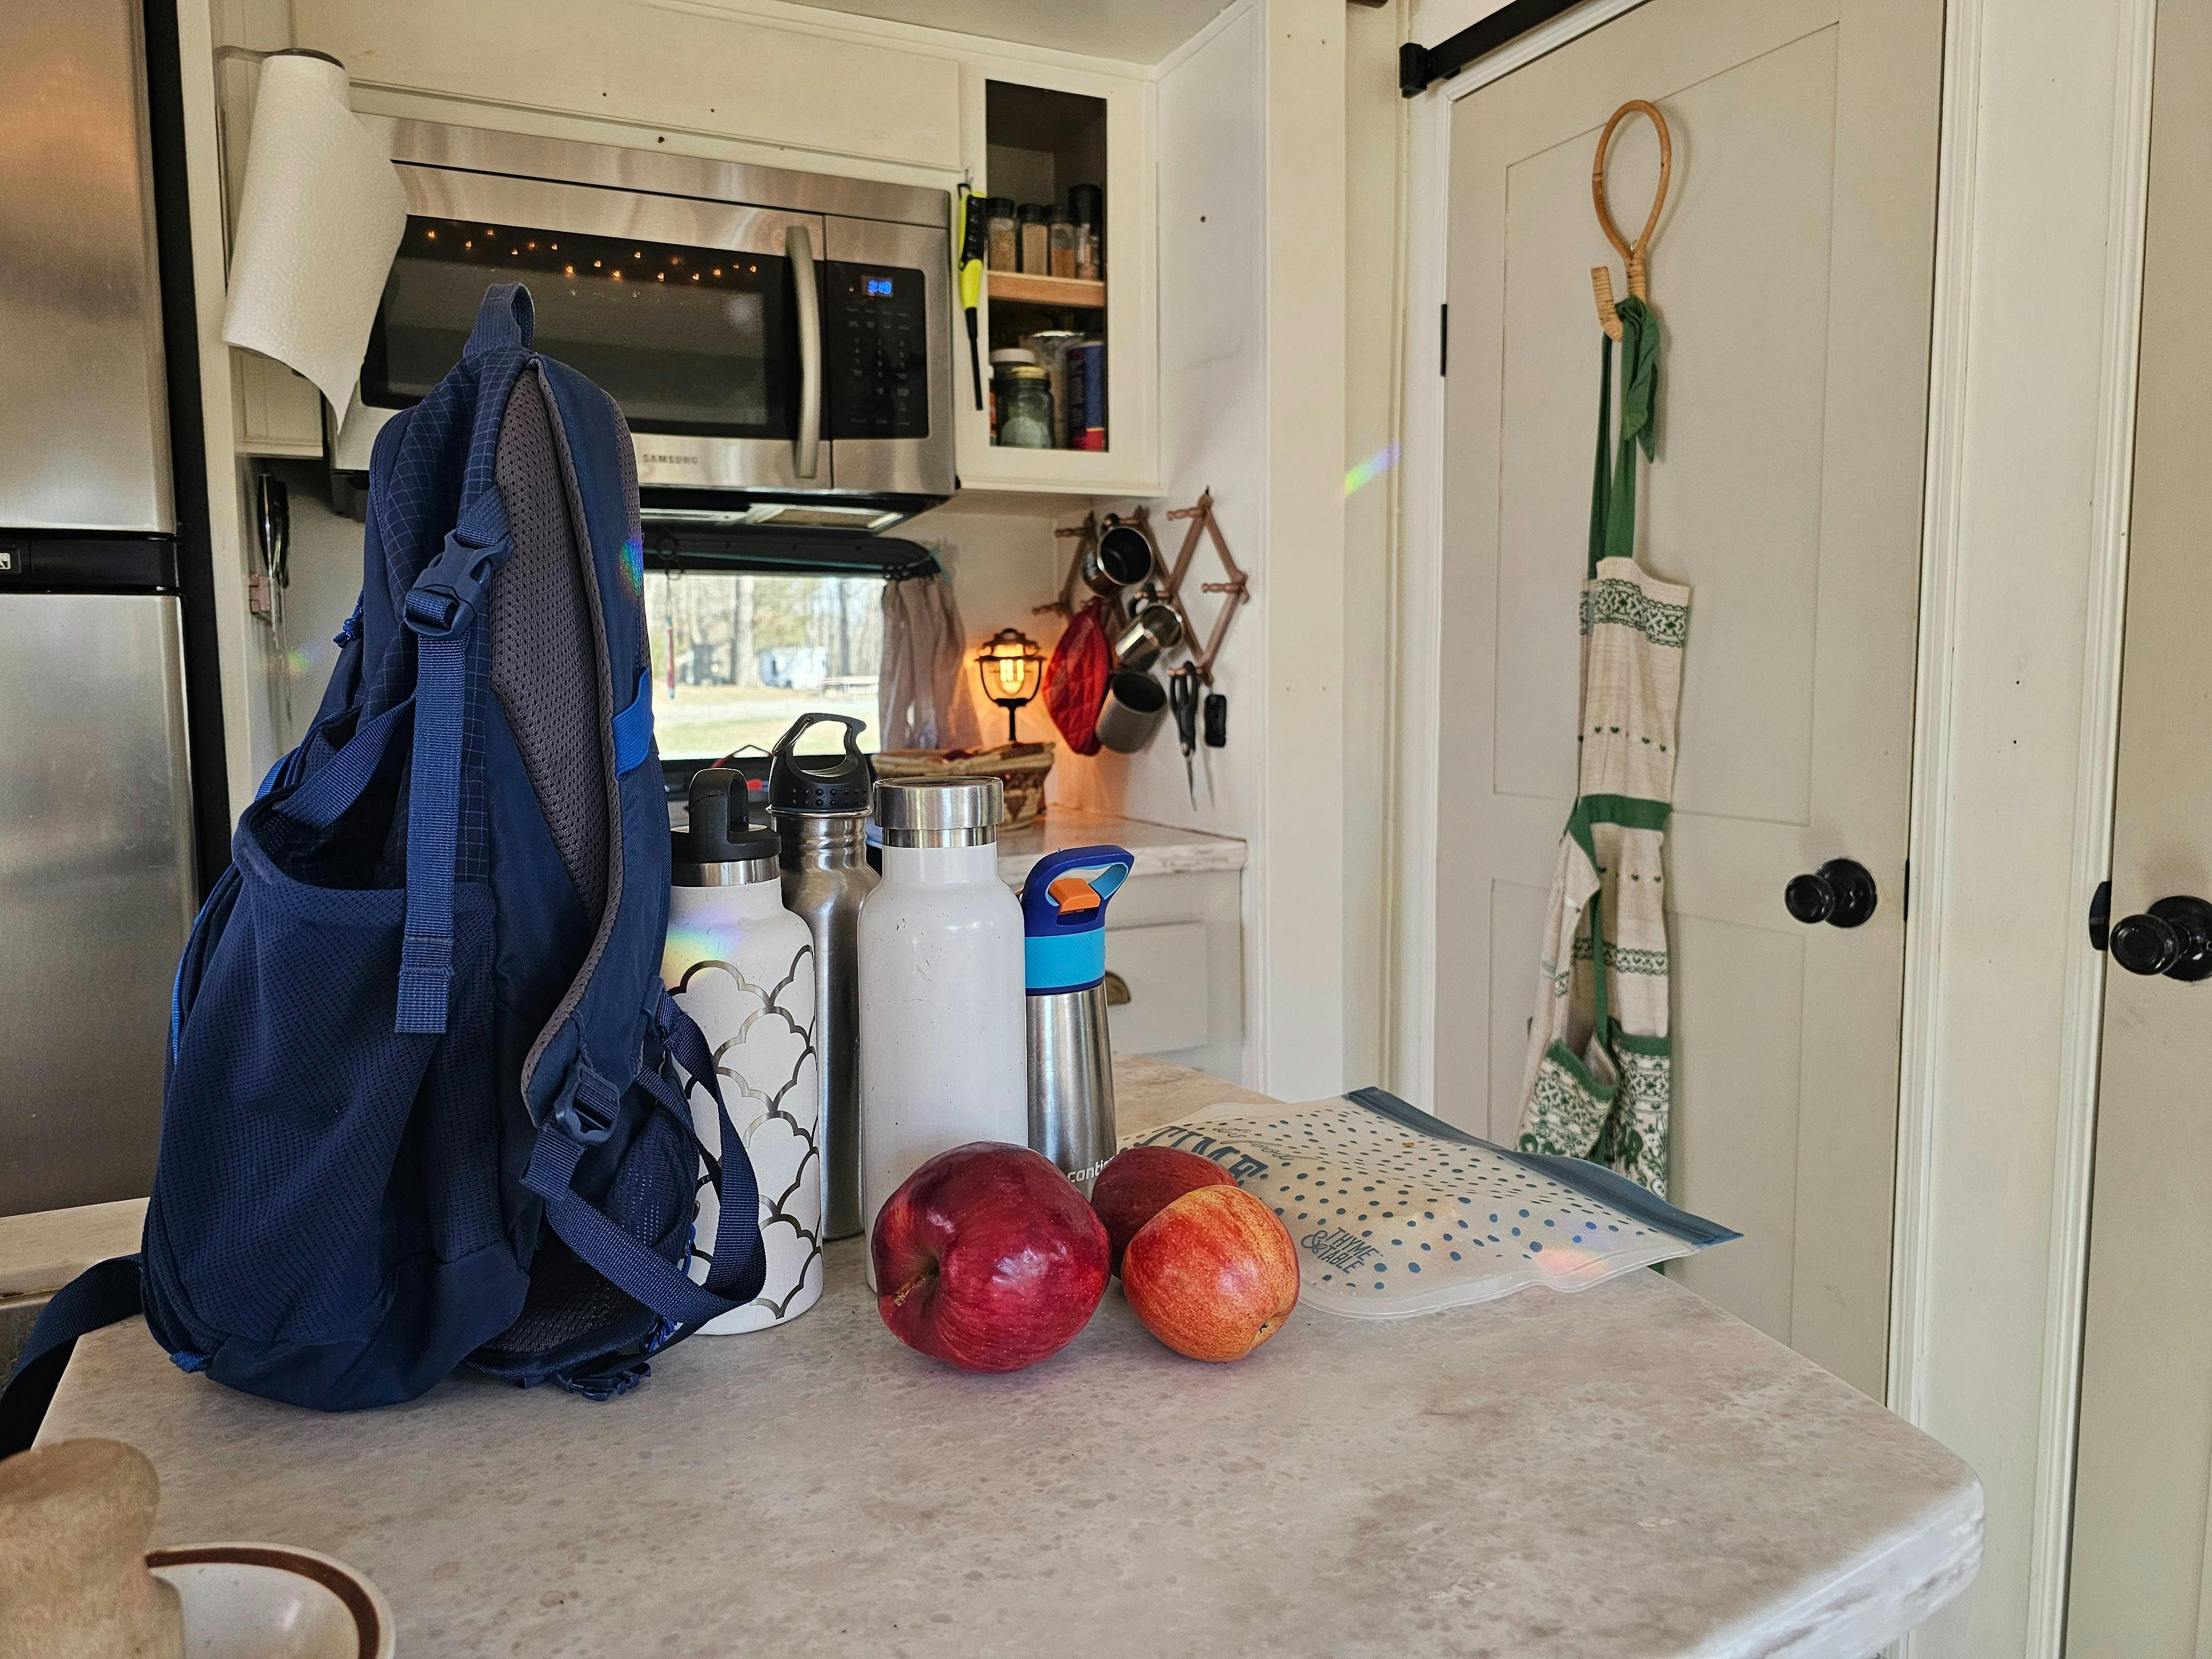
{"x":820,"y":805}
{"x":1071,"y":1056}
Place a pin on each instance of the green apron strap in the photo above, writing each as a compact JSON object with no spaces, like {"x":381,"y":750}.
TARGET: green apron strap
{"x":1639,"y":390}
{"x":1601,"y":472}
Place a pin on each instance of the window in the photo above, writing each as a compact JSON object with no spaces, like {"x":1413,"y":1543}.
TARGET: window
{"x":737,"y":657}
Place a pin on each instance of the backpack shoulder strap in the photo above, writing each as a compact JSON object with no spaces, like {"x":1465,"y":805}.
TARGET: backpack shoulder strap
{"x":440,"y":609}
{"x":104,"y":1294}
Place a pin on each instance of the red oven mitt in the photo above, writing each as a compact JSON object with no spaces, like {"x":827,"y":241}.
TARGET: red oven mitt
{"x":1075,"y":678}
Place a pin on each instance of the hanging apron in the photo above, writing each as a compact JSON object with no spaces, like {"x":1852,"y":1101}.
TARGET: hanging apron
{"x":1599,"y":1080}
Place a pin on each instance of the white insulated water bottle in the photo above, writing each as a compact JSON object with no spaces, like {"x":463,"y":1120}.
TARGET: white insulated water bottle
{"x":942,"y":1044}
{"x":743,"y":967}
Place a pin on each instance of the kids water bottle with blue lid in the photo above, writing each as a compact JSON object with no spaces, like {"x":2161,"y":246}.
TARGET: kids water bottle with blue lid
{"x":1071,"y":1056}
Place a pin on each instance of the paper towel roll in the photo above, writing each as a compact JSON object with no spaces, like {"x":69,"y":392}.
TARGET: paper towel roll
{"x":319,"y":219}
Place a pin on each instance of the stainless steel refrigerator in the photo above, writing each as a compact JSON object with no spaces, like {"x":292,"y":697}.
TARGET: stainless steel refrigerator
{"x":97,"y":879}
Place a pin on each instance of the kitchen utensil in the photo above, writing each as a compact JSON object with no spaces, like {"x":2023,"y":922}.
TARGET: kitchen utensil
{"x":967,"y":264}
{"x":1075,"y":678}
{"x":743,"y":967}
{"x":1135,"y":704}
{"x":1121,"y":557}
{"x":1217,"y":721}
{"x":274,"y":1602}
{"x":1071,"y":1059}
{"x":819,"y":805}
{"x":1182,"y":697}
{"x":1155,"y":629}
{"x":942,"y":1045}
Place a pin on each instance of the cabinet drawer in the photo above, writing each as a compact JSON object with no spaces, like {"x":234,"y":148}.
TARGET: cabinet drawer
{"x":1164,"y":968}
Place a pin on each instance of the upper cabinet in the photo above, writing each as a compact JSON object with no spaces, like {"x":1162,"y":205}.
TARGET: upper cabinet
{"x":1067,"y":325}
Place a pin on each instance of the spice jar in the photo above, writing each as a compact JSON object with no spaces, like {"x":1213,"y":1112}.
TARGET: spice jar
{"x":1037,"y":240}
{"x":1086,"y":205}
{"x":1025,"y":409}
{"x":1060,"y":237}
{"x":1001,"y":234}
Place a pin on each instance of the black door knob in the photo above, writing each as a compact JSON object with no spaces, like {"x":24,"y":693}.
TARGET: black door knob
{"x":2173,"y":938}
{"x":1840,"y":893}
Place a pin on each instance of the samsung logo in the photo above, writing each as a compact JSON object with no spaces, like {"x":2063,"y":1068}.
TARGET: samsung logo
{"x":654,"y":458}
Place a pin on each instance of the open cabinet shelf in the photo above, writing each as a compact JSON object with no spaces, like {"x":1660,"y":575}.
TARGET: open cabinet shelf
{"x":1061,"y":293}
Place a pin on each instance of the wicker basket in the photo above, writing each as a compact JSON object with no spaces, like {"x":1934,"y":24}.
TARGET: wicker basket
{"x":1021,"y":767}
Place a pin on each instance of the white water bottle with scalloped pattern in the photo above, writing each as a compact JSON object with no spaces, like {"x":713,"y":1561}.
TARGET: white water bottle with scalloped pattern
{"x":743,"y":967}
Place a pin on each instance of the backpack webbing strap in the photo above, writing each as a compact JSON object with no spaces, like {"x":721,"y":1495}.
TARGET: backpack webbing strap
{"x":103,"y":1294}
{"x":740,"y":1266}
{"x":441,"y":609}
{"x":629,"y":1266}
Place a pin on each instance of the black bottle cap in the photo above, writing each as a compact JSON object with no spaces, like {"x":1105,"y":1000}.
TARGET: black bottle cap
{"x":720,"y":830}
{"x":820,"y":783}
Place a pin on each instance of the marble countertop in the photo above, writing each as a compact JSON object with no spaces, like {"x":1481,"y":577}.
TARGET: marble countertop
{"x":1627,"y":1472}
{"x":1159,"y":850}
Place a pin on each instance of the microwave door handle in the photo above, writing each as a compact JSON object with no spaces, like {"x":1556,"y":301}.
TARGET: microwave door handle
{"x":806,"y":447}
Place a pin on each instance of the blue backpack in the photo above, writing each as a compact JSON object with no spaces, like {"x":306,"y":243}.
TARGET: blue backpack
{"x":423,"y":1105}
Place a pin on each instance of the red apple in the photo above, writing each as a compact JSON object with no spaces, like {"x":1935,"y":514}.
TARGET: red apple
{"x":1138,"y":1184}
{"x":1214,"y":1275}
{"x":988,"y":1258}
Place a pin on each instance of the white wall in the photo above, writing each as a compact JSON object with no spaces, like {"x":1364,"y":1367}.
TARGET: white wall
{"x":1213,"y":369}
{"x":1300,"y":864}
{"x":1002,"y":566}
{"x":1375,"y":155}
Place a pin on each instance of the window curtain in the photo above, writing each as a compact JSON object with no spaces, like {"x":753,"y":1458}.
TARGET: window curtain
{"x":922,"y":695}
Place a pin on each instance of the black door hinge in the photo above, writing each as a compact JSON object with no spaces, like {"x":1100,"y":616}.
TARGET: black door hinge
{"x":1443,"y":336}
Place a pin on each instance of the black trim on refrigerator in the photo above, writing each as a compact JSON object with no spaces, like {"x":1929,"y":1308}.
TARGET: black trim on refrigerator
{"x":180,"y":333}
{"x":1421,"y":67}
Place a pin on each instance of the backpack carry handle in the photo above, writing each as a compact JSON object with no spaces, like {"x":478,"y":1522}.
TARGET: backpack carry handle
{"x":505,"y":318}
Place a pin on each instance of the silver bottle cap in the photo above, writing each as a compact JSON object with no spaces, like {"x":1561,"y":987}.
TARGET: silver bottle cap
{"x":940,"y":811}
{"x":729,"y":873}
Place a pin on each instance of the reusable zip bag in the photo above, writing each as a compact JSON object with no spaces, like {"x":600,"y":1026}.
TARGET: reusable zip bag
{"x":425,"y":1099}
{"x":1396,"y":1212}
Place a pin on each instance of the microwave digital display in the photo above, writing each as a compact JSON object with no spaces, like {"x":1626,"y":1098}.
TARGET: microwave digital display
{"x":687,"y":340}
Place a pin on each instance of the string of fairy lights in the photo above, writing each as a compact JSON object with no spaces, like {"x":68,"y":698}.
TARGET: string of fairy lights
{"x":635,"y":269}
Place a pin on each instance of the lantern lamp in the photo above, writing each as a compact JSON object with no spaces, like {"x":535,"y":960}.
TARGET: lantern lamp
{"x":1010,"y":666}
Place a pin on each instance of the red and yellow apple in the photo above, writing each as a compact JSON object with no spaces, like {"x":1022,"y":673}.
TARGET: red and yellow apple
{"x":1214,"y":1275}
{"x":1138,"y":1184}
{"x":988,"y":1258}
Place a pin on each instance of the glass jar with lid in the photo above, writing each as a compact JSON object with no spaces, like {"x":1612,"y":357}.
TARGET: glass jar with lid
{"x":1061,"y":241}
{"x":1037,"y":240}
{"x":1025,"y":409}
{"x":1001,"y":234}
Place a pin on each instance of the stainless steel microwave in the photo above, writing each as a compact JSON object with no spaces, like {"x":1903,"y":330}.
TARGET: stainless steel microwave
{"x":780,"y":342}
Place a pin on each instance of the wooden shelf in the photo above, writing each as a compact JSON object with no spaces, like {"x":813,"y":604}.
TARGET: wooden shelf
{"x":1071,"y":292}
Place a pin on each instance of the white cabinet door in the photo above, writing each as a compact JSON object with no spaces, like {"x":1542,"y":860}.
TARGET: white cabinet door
{"x":1792,"y":274}
{"x":2142,"y":1584}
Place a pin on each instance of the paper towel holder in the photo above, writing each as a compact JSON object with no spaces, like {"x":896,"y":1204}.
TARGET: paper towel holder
{"x":256,"y":55}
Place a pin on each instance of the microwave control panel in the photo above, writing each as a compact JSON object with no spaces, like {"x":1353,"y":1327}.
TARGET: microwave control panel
{"x":876,"y":347}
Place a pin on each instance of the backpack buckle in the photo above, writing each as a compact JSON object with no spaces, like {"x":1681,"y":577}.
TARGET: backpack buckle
{"x":587,"y":1106}
{"x":446,"y":596}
